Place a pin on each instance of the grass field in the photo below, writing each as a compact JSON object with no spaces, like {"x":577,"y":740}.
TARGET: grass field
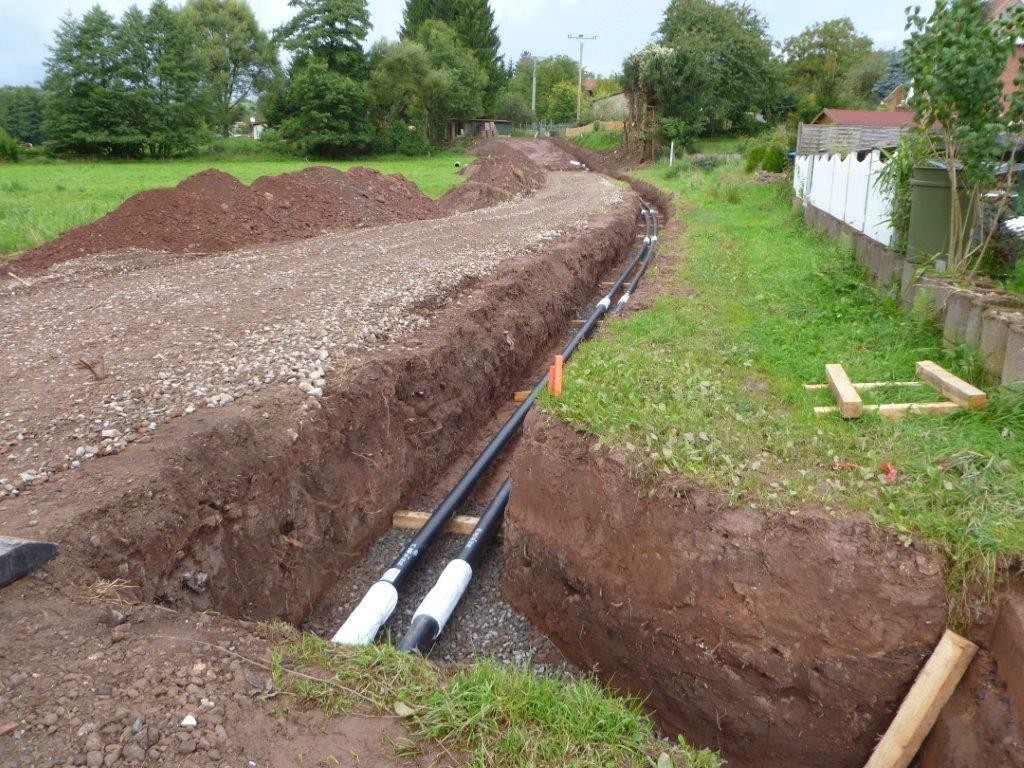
{"x":38,"y":201}
{"x":487,"y":713}
{"x":708,"y":382}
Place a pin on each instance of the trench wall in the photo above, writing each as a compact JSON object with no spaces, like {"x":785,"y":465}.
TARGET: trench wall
{"x":270,"y":515}
{"x":783,"y":641}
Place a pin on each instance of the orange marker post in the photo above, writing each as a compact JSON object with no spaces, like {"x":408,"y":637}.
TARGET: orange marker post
{"x":555,"y":376}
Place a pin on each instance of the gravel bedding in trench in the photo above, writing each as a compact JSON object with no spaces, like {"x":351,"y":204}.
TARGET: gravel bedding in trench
{"x":483,"y":624}
{"x":99,"y":351}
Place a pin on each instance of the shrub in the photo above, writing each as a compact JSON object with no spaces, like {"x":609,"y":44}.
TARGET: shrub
{"x":768,"y":151}
{"x":8,"y":148}
{"x":402,"y":139}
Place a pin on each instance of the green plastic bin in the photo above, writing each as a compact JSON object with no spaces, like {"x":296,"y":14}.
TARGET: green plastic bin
{"x":930,"y":204}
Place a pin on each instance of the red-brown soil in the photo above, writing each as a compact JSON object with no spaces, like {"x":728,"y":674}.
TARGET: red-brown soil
{"x":500,"y":173}
{"x":224,"y":489}
{"x":212,"y":211}
{"x":783,"y":641}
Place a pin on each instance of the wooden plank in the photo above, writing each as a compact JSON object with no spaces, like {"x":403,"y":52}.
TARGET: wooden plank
{"x":461,"y":524}
{"x":868,"y":385}
{"x":920,"y":709}
{"x":849,"y":402}
{"x":520,"y":396}
{"x":953,"y":387}
{"x":894,"y":411}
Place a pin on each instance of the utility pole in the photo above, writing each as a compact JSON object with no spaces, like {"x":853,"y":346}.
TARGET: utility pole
{"x":579,"y":90}
{"x":533,"y":96}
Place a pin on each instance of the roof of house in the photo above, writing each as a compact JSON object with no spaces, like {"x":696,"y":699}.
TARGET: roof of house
{"x":896,"y":118}
{"x":997,"y":7}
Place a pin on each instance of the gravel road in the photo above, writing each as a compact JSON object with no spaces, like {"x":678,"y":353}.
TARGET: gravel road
{"x":99,"y":351}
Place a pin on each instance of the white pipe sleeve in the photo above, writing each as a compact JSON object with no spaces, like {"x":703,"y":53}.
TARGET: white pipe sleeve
{"x":440,"y":602}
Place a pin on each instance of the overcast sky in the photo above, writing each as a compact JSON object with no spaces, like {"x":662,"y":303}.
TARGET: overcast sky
{"x":540,"y":26}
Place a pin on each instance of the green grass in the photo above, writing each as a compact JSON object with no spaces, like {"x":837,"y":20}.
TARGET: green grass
{"x":708,"y":382}
{"x":39,"y":200}
{"x":720,"y":145}
{"x":601,"y":141}
{"x":490,"y":714}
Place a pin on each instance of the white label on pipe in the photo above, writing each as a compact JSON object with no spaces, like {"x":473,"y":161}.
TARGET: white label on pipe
{"x":605,"y":302}
{"x":440,"y":602}
{"x":365,"y":621}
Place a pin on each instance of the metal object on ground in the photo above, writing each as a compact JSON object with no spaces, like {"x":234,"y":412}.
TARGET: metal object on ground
{"x":19,"y":557}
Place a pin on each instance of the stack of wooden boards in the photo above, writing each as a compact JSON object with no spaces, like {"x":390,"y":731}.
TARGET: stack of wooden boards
{"x":849,"y":404}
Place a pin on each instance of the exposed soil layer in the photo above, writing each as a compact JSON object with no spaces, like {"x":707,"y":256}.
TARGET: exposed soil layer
{"x":213,"y":211}
{"x":783,"y":641}
{"x":108,"y":683}
{"x":501,"y":172}
{"x":228,"y":509}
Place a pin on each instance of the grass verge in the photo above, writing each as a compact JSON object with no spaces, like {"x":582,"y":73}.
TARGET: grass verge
{"x":40,"y":200}
{"x":601,"y":141}
{"x":708,"y":381}
{"x":491,"y":714}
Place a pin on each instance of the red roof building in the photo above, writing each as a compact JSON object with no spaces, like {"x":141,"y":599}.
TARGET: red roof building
{"x":889,"y":118}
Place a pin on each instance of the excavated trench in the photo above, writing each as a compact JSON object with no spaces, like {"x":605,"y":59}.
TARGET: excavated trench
{"x":236,"y":514}
{"x":781,"y":642}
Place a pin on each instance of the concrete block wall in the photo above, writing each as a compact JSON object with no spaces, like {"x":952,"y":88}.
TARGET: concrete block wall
{"x":983,"y":318}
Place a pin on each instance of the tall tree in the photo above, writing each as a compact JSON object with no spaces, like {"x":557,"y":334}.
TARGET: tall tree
{"x":551,"y":70}
{"x":472,"y":21}
{"x":425,"y":81}
{"x":895,"y":75}
{"x":86,"y":113}
{"x":125,"y":89}
{"x":240,"y":59}
{"x":819,"y":62}
{"x":331,"y":30}
{"x":21,"y":112}
{"x":327,"y":111}
{"x":713,"y":67}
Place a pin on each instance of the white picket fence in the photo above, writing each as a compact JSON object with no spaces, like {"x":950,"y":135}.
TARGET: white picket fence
{"x":847,"y":189}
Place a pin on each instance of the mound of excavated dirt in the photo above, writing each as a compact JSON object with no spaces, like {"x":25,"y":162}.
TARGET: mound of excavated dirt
{"x":213,"y":211}
{"x":500,"y":173}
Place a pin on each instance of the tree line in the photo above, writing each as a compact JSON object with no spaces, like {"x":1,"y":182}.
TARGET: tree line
{"x":162,"y":82}
{"x":713,"y":68}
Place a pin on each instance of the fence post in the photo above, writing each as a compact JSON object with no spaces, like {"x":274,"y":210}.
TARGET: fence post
{"x":671,"y":153}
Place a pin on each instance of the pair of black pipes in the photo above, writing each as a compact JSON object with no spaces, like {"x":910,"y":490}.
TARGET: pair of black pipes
{"x":376,"y":607}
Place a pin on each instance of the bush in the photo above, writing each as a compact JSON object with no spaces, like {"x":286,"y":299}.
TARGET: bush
{"x":768,"y":152}
{"x":9,"y":152}
{"x":401,"y":139}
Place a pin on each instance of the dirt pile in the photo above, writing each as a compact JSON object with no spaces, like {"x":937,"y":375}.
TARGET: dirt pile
{"x":500,"y":173}
{"x":212,"y":211}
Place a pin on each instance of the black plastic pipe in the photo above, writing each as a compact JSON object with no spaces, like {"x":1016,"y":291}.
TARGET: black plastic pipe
{"x":439,"y":604}
{"x":377,"y":605}
{"x":628,"y":293}
{"x":437,"y":607}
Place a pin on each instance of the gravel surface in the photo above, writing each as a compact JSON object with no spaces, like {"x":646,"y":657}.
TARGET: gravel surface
{"x":100,"y":350}
{"x":482,"y":625}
